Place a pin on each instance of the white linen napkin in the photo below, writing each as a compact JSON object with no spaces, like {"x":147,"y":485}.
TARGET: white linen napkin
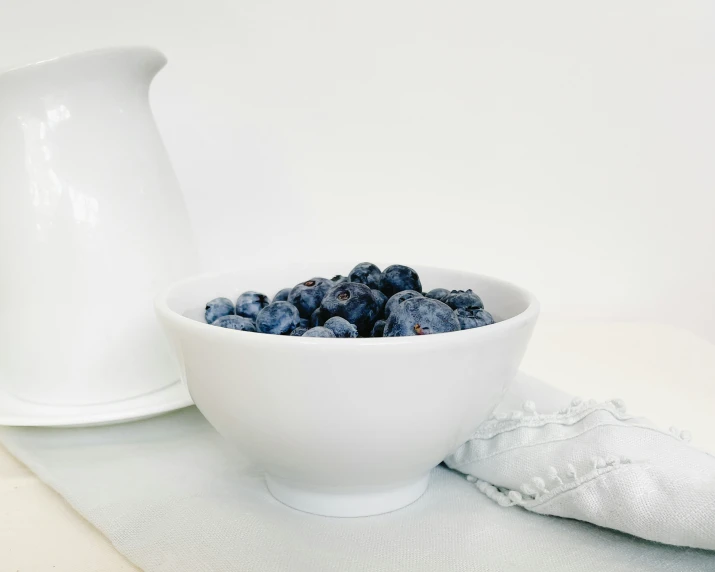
{"x":597,"y":463}
{"x":172,"y":496}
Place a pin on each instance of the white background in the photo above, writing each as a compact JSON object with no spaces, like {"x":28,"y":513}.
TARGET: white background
{"x":567,"y":146}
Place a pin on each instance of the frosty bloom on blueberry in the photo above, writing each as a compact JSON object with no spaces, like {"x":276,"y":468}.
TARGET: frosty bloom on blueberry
{"x":250,"y":303}
{"x":381,"y":300}
{"x":278,"y":318}
{"x":341,"y":327}
{"x":318,"y":332}
{"x":282,"y":295}
{"x":353,"y":302}
{"x":307,"y":295}
{"x":461,"y":299}
{"x":398,"y":298}
{"x":218,"y":307}
{"x":366,"y":303}
{"x":421,"y":316}
{"x":397,"y":278}
{"x":469,"y":319}
{"x":235,"y":323}
{"x":438,"y":294}
{"x":366,"y":273}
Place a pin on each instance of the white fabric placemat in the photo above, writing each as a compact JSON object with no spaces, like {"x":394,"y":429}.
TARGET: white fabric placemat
{"x":171,"y":496}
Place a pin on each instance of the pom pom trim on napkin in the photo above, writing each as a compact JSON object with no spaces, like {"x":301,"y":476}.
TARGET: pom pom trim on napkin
{"x":614,"y":469}
{"x":540,"y":490}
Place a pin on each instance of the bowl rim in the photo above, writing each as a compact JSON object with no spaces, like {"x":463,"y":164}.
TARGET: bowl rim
{"x":527,"y":316}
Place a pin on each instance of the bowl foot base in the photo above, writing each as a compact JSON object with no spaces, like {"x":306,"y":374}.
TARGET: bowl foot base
{"x":346,"y":504}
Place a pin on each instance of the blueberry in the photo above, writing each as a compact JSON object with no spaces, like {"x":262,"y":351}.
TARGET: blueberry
{"x":307,"y":295}
{"x":438,"y":294}
{"x":250,"y":303}
{"x":235,"y":323}
{"x":314,"y":319}
{"x":299,"y":331}
{"x":397,"y":278}
{"x":378,"y":329}
{"x":420,"y":316}
{"x":460,"y":299}
{"x":381,"y":300}
{"x":319,"y":332}
{"x":282,"y":296}
{"x":352,"y":301}
{"x":469,"y":319}
{"x":341,"y":327}
{"x":218,"y":307}
{"x":366,"y":273}
{"x":339,"y":279}
{"x":397,"y":299}
{"x":305,"y":323}
{"x":278,"y":318}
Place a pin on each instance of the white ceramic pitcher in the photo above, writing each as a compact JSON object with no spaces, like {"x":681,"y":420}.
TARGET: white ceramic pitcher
{"x":92,"y":226}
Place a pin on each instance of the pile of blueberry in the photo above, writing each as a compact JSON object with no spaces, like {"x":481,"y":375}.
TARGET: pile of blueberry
{"x":367,"y":303}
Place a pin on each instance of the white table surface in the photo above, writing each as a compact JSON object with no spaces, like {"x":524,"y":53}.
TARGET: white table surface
{"x":661,"y":372}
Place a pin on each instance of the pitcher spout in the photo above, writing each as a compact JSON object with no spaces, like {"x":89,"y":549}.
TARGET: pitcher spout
{"x":143,"y":61}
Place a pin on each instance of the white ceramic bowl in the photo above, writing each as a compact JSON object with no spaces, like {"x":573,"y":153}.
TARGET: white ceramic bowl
{"x":345,"y":427}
